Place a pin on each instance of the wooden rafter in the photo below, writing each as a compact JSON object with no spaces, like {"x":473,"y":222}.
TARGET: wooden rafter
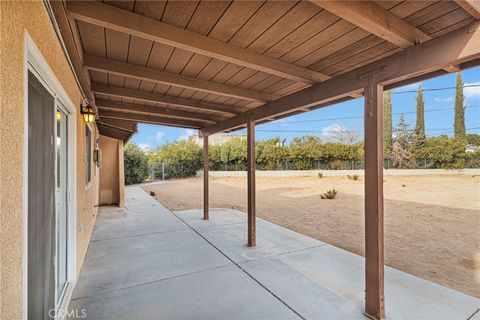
{"x":135,"y":24}
{"x":458,"y":46}
{"x":113,"y":132}
{"x":122,"y":124}
{"x":471,"y":6}
{"x":130,"y":107}
{"x":150,"y":119}
{"x":163,"y":99}
{"x":371,"y":17}
{"x":75,"y":53}
{"x":104,"y":124}
{"x":177,"y":80}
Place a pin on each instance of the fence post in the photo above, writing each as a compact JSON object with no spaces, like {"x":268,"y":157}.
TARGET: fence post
{"x":163,"y":171}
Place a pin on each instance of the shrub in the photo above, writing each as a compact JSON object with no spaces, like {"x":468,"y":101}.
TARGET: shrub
{"x":135,"y":164}
{"x":320,"y":175}
{"x":330,"y":194}
{"x":339,"y":165}
{"x":443,"y":152}
{"x":354,"y":177}
{"x":181,"y":159}
{"x":270,"y":154}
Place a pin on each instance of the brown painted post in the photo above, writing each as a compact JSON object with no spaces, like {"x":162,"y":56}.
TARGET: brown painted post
{"x":205,"y":176}
{"x":374,"y":243}
{"x":251,"y":183}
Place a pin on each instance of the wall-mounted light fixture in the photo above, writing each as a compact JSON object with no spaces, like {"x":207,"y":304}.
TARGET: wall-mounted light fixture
{"x":88,"y":113}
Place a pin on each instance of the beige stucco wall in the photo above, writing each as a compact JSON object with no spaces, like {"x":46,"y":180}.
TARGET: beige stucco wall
{"x":16,"y":18}
{"x":109,"y":172}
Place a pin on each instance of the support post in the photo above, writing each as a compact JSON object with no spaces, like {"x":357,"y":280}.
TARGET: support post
{"x":205,"y":177}
{"x":251,"y":234}
{"x":374,"y":242}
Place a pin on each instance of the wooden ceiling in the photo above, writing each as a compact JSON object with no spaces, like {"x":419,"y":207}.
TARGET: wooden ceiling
{"x":196,"y":64}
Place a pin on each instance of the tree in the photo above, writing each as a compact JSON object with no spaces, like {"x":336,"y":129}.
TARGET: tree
{"x":271,"y":153}
{"x":338,"y":133}
{"x":444,"y":152}
{"x":387,"y":122}
{"x":420,"y":124}
{"x":135,"y":164}
{"x":473,"y":138}
{"x":182,"y":158}
{"x":459,"y":122}
{"x":400,"y":156}
{"x":403,"y":134}
{"x":304,"y":151}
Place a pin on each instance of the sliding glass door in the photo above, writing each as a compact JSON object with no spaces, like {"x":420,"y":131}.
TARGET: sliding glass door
{"x":61,"y":202}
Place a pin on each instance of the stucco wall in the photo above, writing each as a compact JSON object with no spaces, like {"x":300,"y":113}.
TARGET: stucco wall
{"x":109,"y":172}
{"x":16,"y":18}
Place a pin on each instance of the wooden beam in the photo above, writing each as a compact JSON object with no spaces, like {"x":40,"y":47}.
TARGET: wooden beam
{"x":126,"y":125}
{"x":163,"y":99}
{"x":113,"y":133}
{"x":150,"y":119}
{"x":251,"y":215}
{"x":373,"y":18}
{"x":471,"y":6}
{"x":455,"y":48}
{"x":152,"y":110}
{"x":141,"y":26}
{"x":205,"y":177}
{"x":452,"y":68}
{"x":75,"y":54}
{"x":113,"y":127}
{"x":173,"y":79}
{"x":374,"y":239}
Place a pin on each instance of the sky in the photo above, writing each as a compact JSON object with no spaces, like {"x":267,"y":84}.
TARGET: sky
{"x":439,"y":115}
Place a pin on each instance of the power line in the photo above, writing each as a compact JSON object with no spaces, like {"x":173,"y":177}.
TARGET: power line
{"x":355,"y":131}
{"x":361,"y":117}
{"x":436,"y":89}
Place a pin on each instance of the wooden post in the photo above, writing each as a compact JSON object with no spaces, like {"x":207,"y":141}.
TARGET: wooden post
{"x":205,"y":176}
{"x":251,"y":183}
{"x":374,"y":243}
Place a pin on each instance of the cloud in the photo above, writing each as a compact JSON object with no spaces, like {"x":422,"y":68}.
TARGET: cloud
{"x":472,"y":93}
{"x":187,"y":133}
{"x":159,"y":136}
{"x":144,"y":146}
{"x":448,"y":99}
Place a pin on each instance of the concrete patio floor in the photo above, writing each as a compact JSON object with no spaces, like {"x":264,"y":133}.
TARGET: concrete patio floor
{"x":144,"y":262}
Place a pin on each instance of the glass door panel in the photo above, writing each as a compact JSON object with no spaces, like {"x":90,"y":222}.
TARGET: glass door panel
{"x":61,"y":202}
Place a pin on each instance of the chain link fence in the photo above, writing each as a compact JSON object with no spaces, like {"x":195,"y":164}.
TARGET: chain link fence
{"x":165,"y":171}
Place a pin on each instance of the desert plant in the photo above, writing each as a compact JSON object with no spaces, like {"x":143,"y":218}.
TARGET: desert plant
{"x":354,"y":177}
{"x":330,"y":194}
{"x":320,"y":175}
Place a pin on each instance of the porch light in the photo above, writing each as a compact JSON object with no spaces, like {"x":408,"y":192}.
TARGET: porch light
{"x":88,"y":114}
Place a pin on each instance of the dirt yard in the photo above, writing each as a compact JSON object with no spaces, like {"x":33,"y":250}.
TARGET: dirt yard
{"x":432,"y":223}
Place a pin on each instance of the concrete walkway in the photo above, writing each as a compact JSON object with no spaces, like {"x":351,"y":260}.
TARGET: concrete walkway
{"x":144,"y":262}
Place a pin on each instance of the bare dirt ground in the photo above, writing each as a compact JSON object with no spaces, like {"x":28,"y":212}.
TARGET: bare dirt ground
{"x":432,"y":223}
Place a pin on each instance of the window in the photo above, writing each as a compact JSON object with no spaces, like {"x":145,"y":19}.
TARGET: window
{"x":88,"y":154}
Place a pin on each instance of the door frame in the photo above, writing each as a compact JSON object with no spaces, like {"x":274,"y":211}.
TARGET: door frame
{"x":34,"y":62}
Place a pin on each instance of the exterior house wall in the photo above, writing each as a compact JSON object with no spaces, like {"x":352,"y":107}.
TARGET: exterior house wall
{"x":109,"y":172}
{"x":17,"y":18}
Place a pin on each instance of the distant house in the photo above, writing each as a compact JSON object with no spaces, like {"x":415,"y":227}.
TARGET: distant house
{"x":472,"y":148}
{"x":219,"y":138}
